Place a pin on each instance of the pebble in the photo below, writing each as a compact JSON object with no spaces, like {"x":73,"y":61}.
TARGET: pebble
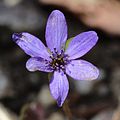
{"x":5,"y":114}
{"x":4,"y":85}
{"x":20,"y":16}
{"x":104,"y":115}
{"x":45,"y":97}
{"x":56,"y":116}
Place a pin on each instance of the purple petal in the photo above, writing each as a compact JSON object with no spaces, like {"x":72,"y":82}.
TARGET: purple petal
{"x":59,"y":87}
{"x":82,"y":70}
{"x":81,"y":44}
{"x":56,"y":30}
{"x":34,"y":64}
{"x":31,"y":45}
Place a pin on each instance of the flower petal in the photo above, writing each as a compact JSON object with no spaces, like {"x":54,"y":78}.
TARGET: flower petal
{"x":82,"y":70}
{"x":56,"y":30}
{"x":34,"y":64}
{"x":81,"y":44}
{"x":31,"y":45}
{"x":59,"y":87}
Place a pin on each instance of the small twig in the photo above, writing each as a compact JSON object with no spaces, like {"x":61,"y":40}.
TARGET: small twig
{"x":67,"y":111}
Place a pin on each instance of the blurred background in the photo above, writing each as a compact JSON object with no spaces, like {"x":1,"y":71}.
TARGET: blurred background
{"x":25,"y":95}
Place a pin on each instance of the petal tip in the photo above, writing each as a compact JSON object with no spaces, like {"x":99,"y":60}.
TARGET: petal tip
{"x":96,"y":74}
{"x":59,"y":102}
{"x":16,"y":36}
{"x":56,"y":12}
{"x":94,"y":33}
{"x":94,"y":36}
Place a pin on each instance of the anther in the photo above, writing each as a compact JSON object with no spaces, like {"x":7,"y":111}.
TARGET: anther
{"x":55,"y":50}
{"x":59,"y":60}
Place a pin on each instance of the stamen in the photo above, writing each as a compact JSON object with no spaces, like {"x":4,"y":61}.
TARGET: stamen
{"x":59,"y":60}
{"x":55,"y":50}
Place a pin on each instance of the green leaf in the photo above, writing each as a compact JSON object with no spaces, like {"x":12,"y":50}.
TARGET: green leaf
{"x":50,"y":75}
{"x":67,"y":42}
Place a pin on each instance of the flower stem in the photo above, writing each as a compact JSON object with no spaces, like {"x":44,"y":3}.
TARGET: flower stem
{"x":67,"y":111}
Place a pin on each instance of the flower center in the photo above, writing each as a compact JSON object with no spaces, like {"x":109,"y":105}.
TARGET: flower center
{"x":59,"y":60}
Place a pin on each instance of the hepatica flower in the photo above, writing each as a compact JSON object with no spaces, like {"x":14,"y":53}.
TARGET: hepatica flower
{"x":56,"y":58}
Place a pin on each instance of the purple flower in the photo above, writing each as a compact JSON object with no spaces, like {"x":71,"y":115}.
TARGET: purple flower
{"x":55,"y":58}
